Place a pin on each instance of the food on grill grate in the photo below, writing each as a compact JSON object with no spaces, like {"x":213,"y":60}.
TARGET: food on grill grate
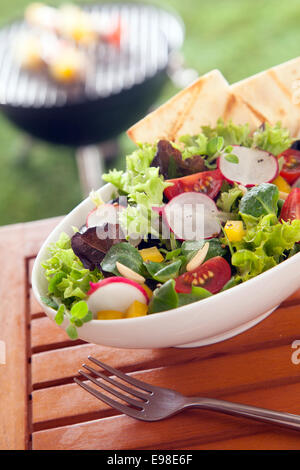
{"x":49,"y":55}
{"x":74,"y":23}
{"x":69,"y":65}
{"x":58,"y":39}
{"x":29,"y":52}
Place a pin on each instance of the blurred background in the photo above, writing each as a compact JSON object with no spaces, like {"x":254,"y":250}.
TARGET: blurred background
{"x":239,"y":37}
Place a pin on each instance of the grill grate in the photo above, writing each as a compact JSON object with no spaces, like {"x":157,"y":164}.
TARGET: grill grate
{"x":148,"y":37}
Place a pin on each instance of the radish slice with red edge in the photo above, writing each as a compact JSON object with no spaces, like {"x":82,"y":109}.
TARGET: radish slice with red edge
{"x":192,"y":216}
{"x":115,"y":293}
{"x":254,"y":166}
{"x":106,"y":213}
{"x":158,"y":209}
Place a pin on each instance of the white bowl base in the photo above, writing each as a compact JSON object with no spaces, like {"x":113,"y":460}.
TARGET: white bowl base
{"x":229,"y":334}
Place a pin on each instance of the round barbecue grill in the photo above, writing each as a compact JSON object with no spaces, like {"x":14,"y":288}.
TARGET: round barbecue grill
{"x":118,"y":89}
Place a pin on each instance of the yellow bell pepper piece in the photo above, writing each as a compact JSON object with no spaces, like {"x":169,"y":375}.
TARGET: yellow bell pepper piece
{"x":234,"y":230}
{"x":148,"y":290}
{"x":109,"y":315}
{"x":151,"y":254}
{"x":282,"y":184}
{"x":136,"y":309}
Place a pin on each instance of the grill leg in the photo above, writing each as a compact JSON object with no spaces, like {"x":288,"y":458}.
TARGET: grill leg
{"x":23,"y":151}
{"x":91,"y":166}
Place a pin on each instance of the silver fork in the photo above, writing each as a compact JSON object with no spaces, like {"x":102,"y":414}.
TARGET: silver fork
{"x":151,"y":403}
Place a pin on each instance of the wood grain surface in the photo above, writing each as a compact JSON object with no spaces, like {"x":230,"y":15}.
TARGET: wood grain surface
{"x":42,"y":408}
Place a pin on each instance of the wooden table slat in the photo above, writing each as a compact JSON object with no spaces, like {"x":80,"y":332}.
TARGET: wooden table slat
{"x":193,"y":427}
{"x":45,"y":334}
{"x":209,"y":377}
{"x":13,"y":332}
{"x":55,"y":365}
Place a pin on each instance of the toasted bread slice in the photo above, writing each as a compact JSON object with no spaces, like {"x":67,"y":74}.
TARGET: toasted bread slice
{"x":271,"y":95}
{"x":201,"y":103}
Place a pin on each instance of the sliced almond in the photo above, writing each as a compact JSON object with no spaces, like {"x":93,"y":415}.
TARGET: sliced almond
{"x":129,"y":273}
{"x":198,"y":259}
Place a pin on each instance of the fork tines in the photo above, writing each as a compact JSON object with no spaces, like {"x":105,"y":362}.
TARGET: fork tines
{"x":133,"y":405}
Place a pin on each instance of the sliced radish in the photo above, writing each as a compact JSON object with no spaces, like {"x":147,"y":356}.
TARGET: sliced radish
{"x":158,"y":209}
{"x":106,"y":213}
{"x":192,"y":216}
{"x":254,"y":166}
{"x":115,"y":293}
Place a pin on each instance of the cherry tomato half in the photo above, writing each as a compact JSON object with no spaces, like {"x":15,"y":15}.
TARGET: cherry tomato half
{"x":207,"y":182}
{"x":291,"y":168}
{"x":291,"y":207}
{"x":211,"y":275}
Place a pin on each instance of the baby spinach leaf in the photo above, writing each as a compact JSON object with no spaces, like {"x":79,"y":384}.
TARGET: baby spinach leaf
{"x":260,"y":200}
{"x":49,"y":302}
{"x":191,"y":246}
{"x":125,"y":254}
{"x":216,"y":248}
{"x":161,"y":272}
{"x":164,"y":298}
{"x":234,"y":281}
{"x":172,"y":254}
{"x":197,"y":293}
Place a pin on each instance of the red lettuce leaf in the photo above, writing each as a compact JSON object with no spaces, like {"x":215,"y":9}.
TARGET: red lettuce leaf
{"x":91,"y":249}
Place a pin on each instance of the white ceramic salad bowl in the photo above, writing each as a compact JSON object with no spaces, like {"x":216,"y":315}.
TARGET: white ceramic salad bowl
{"x":201,"y":323}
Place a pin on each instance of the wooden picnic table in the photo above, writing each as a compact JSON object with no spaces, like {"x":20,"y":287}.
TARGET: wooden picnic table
{"x":42,"y":408}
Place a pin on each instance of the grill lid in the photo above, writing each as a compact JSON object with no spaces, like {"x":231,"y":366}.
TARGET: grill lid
{"x":148,"y":37}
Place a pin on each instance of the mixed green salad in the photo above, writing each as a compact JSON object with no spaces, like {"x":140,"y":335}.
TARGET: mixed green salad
{"x":151,"y":249}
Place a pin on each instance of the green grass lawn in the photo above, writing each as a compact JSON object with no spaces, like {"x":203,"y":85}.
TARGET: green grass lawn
{"x":239,"y":37}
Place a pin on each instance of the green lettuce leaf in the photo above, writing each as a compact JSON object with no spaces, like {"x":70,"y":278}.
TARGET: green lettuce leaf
{"x":273,"y":139}
{"x":232,"y":134}
{"x":228,"y":200}
{"x":139,"y":160}
{"x":265,"y":244}
{"x":209,"y":148}
{"x":193,"y":145}
{"x":68,"y":280}
{"x":144,"y":187}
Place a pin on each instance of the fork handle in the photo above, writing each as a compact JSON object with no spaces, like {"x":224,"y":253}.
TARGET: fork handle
{"x":286,"y":420}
